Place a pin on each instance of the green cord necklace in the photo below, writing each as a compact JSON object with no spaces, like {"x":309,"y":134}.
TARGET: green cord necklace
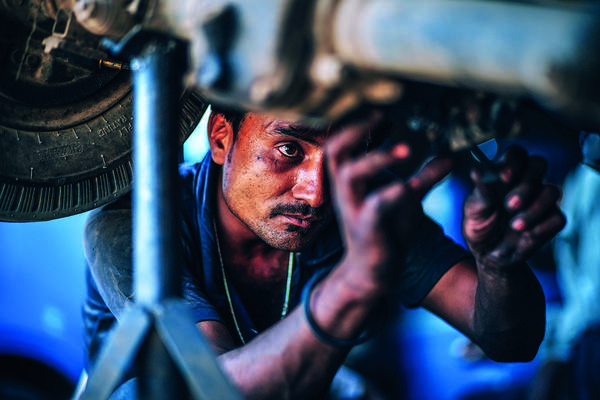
{"x":288,"y":286}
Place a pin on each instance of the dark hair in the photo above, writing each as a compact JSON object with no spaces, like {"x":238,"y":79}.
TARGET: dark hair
{"x":233,"y":115}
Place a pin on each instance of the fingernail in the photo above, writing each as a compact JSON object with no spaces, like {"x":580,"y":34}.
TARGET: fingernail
{"x":401,"y":150}
{"x":506,"y":174}
{"x":518,"y":224}
{"x":514,"y":202}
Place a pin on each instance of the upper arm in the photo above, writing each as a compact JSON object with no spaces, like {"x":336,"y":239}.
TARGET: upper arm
{"x":453,"y":296}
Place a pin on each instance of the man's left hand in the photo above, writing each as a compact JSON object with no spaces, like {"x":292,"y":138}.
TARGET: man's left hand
{"x":507,"y":221}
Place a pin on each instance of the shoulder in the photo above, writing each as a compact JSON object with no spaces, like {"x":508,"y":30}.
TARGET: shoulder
{"x":110,"y":221}
{"x":197,"y":182}
{"x":193,"y":174}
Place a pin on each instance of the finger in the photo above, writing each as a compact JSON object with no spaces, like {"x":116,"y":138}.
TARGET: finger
{"x":529,"y":242}
{"x":348,"y":190}
{"x":355,"y":178}
{"x":489,"y":192}
{"x":512,"y":163}
{"x":514,"y":168}
{"x":433,"y":172}
{"x":550,"y":227}
{"x":388,"y":202}
{"x":544,"y":205}
{"x":372,"y":168}
{"x":338,"y":150}
{"x":528,"y":188}
{"x":385,"y":199}
{"x":342,"y":146}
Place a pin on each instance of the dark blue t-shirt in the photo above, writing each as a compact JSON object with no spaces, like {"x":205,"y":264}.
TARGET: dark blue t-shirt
{"x":203,"y":289}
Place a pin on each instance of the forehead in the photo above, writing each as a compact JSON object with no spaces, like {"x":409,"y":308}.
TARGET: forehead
{"x":271,"y":127}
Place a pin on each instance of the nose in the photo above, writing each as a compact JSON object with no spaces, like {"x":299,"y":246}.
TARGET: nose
{"x":310,"y":185}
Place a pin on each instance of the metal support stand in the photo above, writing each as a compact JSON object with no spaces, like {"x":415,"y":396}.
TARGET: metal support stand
{"x":172,"y":358}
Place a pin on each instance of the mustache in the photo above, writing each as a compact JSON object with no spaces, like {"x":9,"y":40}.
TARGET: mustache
{"x":302,"y":209}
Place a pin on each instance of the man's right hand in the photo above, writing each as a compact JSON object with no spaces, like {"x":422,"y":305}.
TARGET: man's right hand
{"x":377,"y":225}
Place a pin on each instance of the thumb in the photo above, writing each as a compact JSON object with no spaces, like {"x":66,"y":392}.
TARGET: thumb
{"x":432,"y":172}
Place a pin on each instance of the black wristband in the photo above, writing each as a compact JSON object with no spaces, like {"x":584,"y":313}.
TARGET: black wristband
{"x":320,"y":333}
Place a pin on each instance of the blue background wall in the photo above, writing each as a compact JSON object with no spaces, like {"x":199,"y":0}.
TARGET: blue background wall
{"x":41,"y":291}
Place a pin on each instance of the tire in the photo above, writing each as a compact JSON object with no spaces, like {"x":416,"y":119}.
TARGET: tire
{"x":52,"y":174}
{"x":66,"y":118}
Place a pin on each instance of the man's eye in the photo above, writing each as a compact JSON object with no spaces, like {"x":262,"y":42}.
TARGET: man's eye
{"x":289,"y":150}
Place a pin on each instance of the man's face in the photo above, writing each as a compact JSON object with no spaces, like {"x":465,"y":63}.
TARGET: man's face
{"x":274,"y":181}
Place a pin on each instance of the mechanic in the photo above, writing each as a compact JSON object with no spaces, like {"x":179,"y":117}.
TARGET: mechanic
{"x":291,"y":252}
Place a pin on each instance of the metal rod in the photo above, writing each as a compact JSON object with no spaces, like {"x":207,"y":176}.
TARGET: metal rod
{"x":157,"y":81}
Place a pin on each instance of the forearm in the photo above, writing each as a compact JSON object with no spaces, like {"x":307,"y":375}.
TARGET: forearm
{"x":509,"y":313}
{"x":285,"y":362}
{"x":288,"y":360}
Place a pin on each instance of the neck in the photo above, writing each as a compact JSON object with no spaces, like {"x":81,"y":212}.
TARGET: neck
{"x":258,"y":277}
{"x":246,"y":255}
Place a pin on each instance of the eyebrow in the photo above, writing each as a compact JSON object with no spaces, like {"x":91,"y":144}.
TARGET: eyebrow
{"x":299,"y":132}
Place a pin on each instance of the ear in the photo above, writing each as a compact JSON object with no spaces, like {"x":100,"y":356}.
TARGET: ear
{"x":220,"y":137}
